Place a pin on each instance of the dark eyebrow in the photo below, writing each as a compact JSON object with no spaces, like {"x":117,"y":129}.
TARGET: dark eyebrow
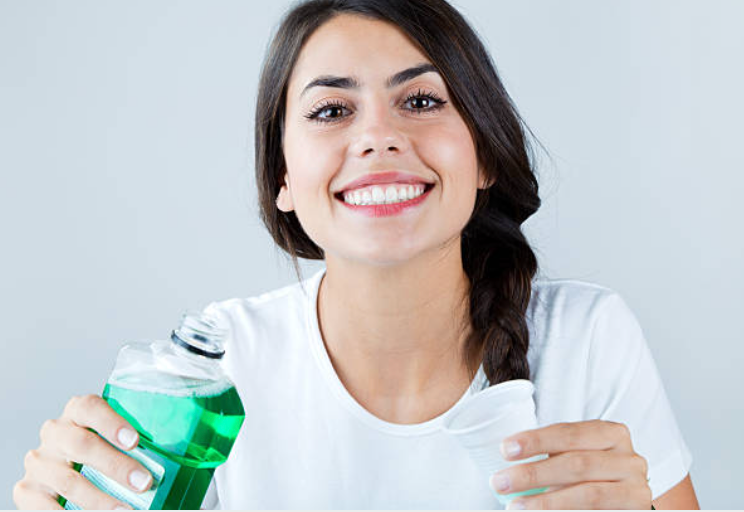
{"x":346,"y":82}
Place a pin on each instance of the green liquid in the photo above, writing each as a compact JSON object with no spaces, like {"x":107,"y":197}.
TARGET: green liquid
{"x":188,"y":434}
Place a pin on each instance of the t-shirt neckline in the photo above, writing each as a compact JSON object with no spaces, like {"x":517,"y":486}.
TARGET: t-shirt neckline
{"x":342,"y":394}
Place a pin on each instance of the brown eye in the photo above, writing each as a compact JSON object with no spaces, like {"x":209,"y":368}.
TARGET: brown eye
{"x":424,"y":102}
{"x":333,"y":109}
{"x":420,"y":102}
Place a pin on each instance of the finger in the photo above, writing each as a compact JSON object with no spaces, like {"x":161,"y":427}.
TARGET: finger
{"x":565,"y":469}
{"x":565,"y":437}
{"x":30,"y":496}
{"x":91,"y":411}
{"x":88,"y":448}
{"x":588,"y":496}
{"x":67,"y":482}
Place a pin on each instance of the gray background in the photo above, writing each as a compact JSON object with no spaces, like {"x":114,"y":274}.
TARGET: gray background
{"x":127,"y":194}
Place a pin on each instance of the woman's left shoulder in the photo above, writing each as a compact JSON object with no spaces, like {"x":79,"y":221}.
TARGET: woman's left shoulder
{"x":572,"y":303}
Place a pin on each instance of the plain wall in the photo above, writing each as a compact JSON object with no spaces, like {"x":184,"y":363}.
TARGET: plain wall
{"x":127,"y":194}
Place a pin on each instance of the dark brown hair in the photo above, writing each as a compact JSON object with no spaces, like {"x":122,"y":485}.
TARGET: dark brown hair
{"x":497,"y":258}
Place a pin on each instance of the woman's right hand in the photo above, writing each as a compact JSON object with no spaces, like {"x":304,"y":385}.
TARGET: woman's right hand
{"x":65,"y":440}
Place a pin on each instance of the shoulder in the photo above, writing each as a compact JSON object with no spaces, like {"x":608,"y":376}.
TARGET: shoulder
{"x":573,"y":306}
{"x":585,"y":346}
{"x":277,"y":310}
{"x":582,"y":327}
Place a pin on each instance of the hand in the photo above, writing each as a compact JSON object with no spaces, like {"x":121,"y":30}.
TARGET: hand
{"x":49,"y":471}
{"x":592,"y":465}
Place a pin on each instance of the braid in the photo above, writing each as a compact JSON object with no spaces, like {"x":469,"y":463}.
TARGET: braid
{"x":500,"y":265}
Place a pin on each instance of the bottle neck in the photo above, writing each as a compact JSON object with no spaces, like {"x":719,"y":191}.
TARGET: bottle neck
{"x":201,"y":335}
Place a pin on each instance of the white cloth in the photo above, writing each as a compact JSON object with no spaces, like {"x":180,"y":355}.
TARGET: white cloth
{"x":306,"y":442}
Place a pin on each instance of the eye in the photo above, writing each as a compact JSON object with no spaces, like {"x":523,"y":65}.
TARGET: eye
{"x":425,"y":102}
{"x":332,"y":111}
{"x":332,"y":107}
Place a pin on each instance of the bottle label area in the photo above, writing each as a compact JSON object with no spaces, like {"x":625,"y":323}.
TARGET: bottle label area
{"x":138,"y":501}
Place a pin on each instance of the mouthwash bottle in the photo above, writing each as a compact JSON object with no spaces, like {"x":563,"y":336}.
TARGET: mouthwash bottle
{"x":185,"y":409}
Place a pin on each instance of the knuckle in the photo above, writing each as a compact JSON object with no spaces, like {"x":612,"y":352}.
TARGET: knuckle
{"x":30,"y":459}
{"x":70,"y":406}
{"x":80,"y":404}
{"x":19,"y":490}
{"x":622,"y":430}
{"x":642,"y":464}
{"x":88,"y":402}
{"x":47,"y":430}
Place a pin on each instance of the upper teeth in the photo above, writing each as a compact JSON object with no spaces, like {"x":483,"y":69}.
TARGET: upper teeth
{"x":378,"y":195}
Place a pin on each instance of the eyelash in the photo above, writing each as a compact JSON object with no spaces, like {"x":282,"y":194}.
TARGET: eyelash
{"x":438,"y":104}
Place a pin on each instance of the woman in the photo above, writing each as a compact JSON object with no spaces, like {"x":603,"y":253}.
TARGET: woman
{"x":387,"y":146}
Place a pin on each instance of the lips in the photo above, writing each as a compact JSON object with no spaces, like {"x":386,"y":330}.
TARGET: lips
{"x":384,"y":178}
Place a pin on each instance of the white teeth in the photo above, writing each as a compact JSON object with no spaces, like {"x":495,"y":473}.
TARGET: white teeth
{"x":378,"y":195}
{"x":391,"y":195}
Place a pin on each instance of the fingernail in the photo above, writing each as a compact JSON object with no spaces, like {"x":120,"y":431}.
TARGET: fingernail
{"x":139,"y":479}
{"x":500,"y":482}
{"x":127,"y":437}
{"x":515,"y":505}
{"x":510,"y":449}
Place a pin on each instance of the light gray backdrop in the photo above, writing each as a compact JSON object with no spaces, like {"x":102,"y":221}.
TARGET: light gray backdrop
{"x":127,"y":194}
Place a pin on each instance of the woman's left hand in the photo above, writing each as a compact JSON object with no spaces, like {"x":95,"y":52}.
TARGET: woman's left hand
{"x":592,"y":465}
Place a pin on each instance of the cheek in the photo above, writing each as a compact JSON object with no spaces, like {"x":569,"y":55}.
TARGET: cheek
{"x":448,"y":149}
{"x":311,"y":163}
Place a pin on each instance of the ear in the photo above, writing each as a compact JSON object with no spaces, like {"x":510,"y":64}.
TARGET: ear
{"x":484,"y":181}
{"x":284,"y":200}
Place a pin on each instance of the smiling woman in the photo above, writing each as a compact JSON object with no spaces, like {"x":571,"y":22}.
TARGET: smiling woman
{"x":387,"y":146}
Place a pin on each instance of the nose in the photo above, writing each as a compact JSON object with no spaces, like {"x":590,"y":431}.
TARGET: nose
{"x":379,"y":133}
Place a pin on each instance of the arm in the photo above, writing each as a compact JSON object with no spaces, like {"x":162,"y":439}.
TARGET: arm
{"x":681,"y":496}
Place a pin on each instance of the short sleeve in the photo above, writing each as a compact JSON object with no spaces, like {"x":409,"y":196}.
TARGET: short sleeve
{"x":624,"y":386}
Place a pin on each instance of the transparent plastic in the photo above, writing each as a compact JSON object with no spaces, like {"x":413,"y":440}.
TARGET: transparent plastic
{"x":186,"y":410}
{"x":487,"y":418}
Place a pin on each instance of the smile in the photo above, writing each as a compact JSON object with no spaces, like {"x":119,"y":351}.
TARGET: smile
{"x":383,"y":201}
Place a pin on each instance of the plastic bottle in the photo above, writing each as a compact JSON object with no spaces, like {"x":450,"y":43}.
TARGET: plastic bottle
{"x":187,"y":412}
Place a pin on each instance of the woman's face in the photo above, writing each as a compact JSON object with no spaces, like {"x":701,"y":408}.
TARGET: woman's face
{"x":372,"y":128}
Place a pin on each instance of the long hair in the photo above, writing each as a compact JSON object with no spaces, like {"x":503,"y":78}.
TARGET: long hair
{"x":497,"y":258}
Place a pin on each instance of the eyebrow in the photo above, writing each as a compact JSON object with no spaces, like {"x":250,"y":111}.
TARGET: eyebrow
{"x":347,"y":82}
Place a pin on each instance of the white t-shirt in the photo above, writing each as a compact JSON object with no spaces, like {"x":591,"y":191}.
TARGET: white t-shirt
{"x":307,"y":443}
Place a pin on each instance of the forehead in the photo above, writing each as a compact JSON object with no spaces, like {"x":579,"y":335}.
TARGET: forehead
{"x":352,"y":45}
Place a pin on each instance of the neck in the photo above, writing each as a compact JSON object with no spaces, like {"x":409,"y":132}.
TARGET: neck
{"x":397,"y":332}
